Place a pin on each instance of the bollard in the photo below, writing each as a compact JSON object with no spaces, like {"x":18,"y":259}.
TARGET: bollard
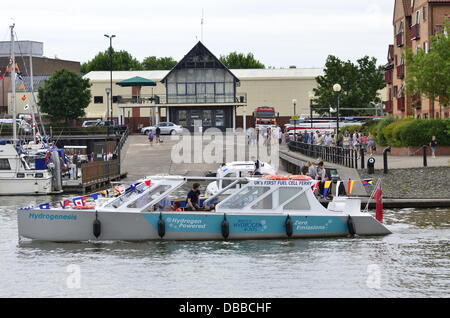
{"x":362,"y":158}
{"x":371,"y":165}
{"x":425,"y":162}
{"x":388,"y":149}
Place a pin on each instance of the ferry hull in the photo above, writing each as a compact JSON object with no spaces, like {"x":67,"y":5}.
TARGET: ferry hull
{"x":74,"y":225}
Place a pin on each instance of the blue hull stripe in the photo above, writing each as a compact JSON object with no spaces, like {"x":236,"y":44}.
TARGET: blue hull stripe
{"x":250,"y":224}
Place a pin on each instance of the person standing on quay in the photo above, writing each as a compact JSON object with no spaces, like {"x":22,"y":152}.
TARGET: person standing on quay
{"x":158,"y":134}
{"x":150,"y":137}
{"x":433,"y":145}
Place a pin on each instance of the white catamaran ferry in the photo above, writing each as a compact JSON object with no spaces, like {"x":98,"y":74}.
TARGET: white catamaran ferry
{"x":272,"y":207}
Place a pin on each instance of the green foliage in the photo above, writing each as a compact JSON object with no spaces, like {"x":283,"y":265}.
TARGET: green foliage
{"x":121,"y":61}
{"x":351,"y":129}
{"x":236,"y":60}
{"x":65,"y":96}
{"x":153,"y":63}
{"x":360,"y":85}
{"x":429,"y":73}
{"x":412,"y":132}
{"x":381,"y":140}
{"x":419,"y":132}
{"x":391,"y":132}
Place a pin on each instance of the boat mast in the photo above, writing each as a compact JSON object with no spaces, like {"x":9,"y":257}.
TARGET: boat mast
{"x":13,"y":84}
{"x":32,"y":92}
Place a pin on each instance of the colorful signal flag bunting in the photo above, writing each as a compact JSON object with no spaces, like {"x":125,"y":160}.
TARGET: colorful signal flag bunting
{"x":350,"y":185}
{"x":45,"y":206}
{"x":80,"y":201}
{"x":367,"y":182}
{"x":326,"y":188}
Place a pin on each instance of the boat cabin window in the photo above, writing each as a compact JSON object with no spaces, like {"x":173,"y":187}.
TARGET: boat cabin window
{"x":124,"y":197}
{"x":244,"y":197}
{"x":148,"y":197}
{"x":276,"y":198}
{"x":4,"y":164}
{"x":300,"y":203}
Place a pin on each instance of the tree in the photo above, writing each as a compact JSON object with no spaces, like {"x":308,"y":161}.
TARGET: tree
{"x":65,"y":96}
{"x":153,"y":63}
{"x":360,"y":85}
{"x":429,"y":73}
{"x":122,"y":61}
{"x":236,"y":60}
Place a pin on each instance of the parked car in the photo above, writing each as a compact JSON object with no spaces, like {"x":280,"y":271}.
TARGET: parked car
{"x":166,"y":129}
{"x":91,"y":123}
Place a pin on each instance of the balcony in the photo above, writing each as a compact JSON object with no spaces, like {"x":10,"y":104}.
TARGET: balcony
{"x":151,"y":100}
{"x":401,"y":104}
{"x":388,"y":77}
{"x":415,"y":32}
{"x":388,"y":106}
{"x":399,"y":39}
{"x":401,"y":71}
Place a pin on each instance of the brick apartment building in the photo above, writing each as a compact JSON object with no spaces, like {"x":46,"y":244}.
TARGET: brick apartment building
{"x":43,"y":67}
{"x":415,"y":22}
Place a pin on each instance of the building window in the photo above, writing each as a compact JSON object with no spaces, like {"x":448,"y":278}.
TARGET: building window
{"x":98,"y":99}
{"x":438,"y":115}
{"x":425,"y":116}
{"x":190,"y":89}
{"x":220,"y":88}
{"x":418,"y":47}
{"x":4,"y":164}
{"x":426,"y":46}
{"x":116,"y":99}
{"x":424,"y":12}
{"x":446,"y":115}
{"x":181,"y":89}
{"x":418,"y":17}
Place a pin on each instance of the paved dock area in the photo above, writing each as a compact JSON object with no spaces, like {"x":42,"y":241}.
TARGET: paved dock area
{"x":142,"y":159}
{"x":400,"y":162}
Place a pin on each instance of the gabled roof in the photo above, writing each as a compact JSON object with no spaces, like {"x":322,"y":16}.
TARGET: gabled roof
{"x":405,"y":5}
{"x":198,"y":47}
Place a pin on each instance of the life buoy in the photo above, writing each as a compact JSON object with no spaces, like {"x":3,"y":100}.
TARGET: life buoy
{"x":84,"y":207}
{"x":290,"y":177}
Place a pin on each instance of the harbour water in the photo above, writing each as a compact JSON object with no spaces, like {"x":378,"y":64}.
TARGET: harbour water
{"x":412,"y":262}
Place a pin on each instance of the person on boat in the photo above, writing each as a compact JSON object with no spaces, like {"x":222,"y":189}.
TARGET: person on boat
{"x":321,"y":176}
{"x":312,"y":171}
{"x":164,"y":205}
{"x":193,"y":198}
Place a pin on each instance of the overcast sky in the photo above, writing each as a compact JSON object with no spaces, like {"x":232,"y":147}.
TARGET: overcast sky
{"x":279,"y":33}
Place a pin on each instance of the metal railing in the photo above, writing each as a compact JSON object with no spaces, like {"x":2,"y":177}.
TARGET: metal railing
{"x":122,"y":141}
{"x":240,"y":98}
{"x":341,"y":156}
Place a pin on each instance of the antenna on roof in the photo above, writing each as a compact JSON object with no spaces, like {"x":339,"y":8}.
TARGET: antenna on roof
{"x":202,"y":23}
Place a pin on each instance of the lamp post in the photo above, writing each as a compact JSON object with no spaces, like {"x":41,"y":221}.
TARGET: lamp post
{"x":294,"y":101}
{"x":337,"y":88}
{"x":110,"y":37}
{"x":108,"y":92}
{"x":311,"y":96}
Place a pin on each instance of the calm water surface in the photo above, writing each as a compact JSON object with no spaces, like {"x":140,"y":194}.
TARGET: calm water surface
{"x":413,"y":262}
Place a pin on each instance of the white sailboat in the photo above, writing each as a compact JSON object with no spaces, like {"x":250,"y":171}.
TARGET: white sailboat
{"x":19,"y":173}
